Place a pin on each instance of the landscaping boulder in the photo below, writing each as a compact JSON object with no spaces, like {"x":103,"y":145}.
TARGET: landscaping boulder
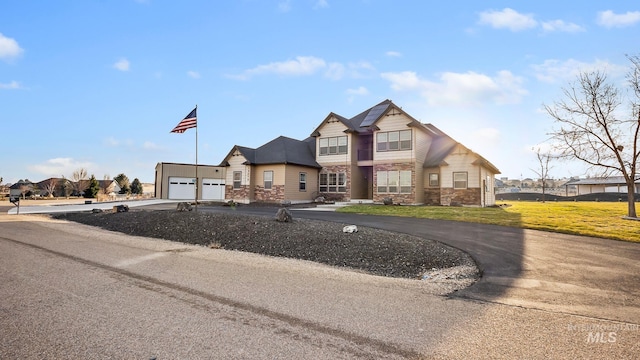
{"x":387,"y":201}
{"x":350,"y":229}
{"x":284,"y":215}
{"x":183,"y":206}
{"x":121,"y":208}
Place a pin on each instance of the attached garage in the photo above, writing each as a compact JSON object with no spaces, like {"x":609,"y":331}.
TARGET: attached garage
{"x":213,"y":189}
{"x":181,"y":188}
{"x":178,"y":182}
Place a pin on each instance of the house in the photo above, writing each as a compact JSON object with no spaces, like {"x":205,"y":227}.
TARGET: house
{"x":384,"y":152}
{"x":612,"y":184}
{"x":53,"y":187}
{"x":283,"y":169}
{"x":380,"y":154}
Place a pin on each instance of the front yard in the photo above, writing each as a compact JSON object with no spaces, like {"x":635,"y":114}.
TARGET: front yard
{"x":598,"y":219}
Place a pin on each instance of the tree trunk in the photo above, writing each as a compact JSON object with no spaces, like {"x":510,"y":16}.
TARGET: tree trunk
{"x":631,"y":200}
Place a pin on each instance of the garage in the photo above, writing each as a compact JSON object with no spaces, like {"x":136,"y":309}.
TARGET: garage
{"x":213,"y":189}
{"x":181,"y":188}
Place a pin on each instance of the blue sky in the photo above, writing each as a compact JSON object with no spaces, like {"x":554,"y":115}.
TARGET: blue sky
{"x":100,"y":84}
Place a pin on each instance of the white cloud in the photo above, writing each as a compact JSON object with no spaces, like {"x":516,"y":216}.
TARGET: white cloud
{"x":193,"y":74}
{"x":11,"y":86}
{"x":393,"y":54}
{"x":9,"y":48}
{"x":507,"y":18}
{"x":111,"y":141}
{"x":552,"y":70}
{"x":359,"y":91}
{"x":148,"y":145}
{"x":610,"y":19}
{"x":320,"y":4}
{"x":466,"y":89}
{"x":335,"y":71}
{"x":122,"y":65}
{"x":60,"y":166}
{"x":284,"y":6}
{"x":301,"y":65}
{"x":559,"y":25}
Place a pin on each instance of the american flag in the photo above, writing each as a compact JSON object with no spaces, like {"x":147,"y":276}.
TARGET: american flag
{"x":189,"y":121}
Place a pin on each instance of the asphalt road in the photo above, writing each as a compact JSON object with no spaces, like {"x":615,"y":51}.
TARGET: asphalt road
{"x":69,"y":291}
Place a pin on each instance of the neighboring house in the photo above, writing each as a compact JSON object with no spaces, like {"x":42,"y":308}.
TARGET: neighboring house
{"x":381,"y":153}
{"x":282,"y":169}
{"x":612,"y":184}
{"x":24,"y":187}
{"x":53,"y":187}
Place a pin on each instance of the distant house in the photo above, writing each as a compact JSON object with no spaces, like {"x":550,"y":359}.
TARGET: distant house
{"x":613,"y":184}
{"x":382,"y":154}
{"x":53,"y":187}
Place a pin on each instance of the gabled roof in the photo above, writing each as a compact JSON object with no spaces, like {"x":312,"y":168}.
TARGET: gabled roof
{"x":366,"y":121}
{"x":442,"y":145}
{"x":281,"y":150}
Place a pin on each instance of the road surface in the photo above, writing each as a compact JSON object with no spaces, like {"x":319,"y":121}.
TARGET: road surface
{"x":70,"y":291}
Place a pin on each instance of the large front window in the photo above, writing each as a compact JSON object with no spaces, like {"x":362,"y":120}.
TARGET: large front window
{"x":393,"y":140}
{"x":333,"y":182}
{"x":333,"y":145}
{"x":394,"y":182}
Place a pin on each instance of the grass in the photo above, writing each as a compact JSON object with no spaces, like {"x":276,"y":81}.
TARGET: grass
{"x":597,"y":219}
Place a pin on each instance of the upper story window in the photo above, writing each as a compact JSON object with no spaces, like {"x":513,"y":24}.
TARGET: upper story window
{"x":333,"y":145}
{"x":393,"y":140}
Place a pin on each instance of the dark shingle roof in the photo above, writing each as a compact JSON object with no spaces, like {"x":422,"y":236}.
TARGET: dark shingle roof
{"x":282,"y":150}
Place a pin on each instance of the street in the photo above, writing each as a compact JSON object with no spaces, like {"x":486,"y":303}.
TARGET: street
{"x":71,"y":291}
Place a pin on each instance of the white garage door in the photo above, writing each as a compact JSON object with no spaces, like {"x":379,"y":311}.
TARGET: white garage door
{"x":212,"y":189}
{"x":182,"y":188}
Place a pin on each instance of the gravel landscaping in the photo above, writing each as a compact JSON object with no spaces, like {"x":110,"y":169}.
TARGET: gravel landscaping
{"x":370,"y":250}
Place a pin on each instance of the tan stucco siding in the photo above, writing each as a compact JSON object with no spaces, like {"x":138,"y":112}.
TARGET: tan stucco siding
{"x":278,"y":173}
{"x":292,"y":188}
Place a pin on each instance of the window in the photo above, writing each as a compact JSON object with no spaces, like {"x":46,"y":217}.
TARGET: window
{"x":434,"y":179}
{"x":302,"y":182}
{"x":394,"y":182}
{"x":237,"y":179}
{"x":333,"y":145}
{"x":268,"y":180}
{"x":394,"y":140}
{"x":459,"y":180}
{"x":333,"y":182}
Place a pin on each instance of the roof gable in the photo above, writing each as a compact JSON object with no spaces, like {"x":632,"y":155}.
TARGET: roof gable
{"x":281,"y":150}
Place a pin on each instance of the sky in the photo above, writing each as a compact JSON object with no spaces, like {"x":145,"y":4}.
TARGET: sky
{"x":100,"y":84}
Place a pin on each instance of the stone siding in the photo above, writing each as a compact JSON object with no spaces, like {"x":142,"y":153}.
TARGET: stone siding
{"x":398,"y":198}
{"x":470,"y":196}
{"x":276,"y":194}
{"x":241,"y":194}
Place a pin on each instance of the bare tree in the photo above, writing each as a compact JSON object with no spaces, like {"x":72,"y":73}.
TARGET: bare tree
{"x":594,"y":129}
{"x":77,"y":180}
{"x":50,"y":186}
{"x":543,"y":170}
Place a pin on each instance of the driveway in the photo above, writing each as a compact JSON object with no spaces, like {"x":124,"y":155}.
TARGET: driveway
{"x":533,"y":269}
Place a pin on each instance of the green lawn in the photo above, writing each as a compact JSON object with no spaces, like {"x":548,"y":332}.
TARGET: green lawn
{"x":599,"y":219}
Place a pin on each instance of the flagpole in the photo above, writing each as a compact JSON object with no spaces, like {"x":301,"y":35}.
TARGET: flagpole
{"x":196,"y":159}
